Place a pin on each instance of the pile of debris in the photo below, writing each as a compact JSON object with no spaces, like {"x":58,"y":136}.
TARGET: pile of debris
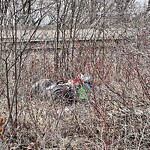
{"x":58,"y":90}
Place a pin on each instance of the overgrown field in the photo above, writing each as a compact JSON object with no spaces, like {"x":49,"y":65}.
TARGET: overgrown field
{"x":115,"y":115}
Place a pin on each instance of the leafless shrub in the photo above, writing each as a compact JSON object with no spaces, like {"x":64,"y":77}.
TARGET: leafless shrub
{"x":115,"y":114}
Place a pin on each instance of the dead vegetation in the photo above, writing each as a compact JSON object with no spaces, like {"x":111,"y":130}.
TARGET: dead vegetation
{"x":115,"y":115}
{"x":107,"y":39}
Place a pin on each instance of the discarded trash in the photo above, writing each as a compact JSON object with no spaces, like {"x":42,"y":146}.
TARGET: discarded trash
{"x":82,"y":93}
{"x":85,"y":78}
{"x":67,"y":91}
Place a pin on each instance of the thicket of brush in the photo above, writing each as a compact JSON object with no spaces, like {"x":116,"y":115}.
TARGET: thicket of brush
{"x":107,"y":39}
{"x":114,"y":116}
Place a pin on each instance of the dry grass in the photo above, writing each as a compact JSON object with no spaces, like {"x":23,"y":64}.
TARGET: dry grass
{"x":115,"y":115}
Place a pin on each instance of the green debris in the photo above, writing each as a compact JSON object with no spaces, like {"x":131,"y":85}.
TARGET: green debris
{"x":82,"y":93}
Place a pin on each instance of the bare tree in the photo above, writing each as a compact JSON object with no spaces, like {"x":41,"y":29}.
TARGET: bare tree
{"x":148,"y":8}
{"x":14,"y":42}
